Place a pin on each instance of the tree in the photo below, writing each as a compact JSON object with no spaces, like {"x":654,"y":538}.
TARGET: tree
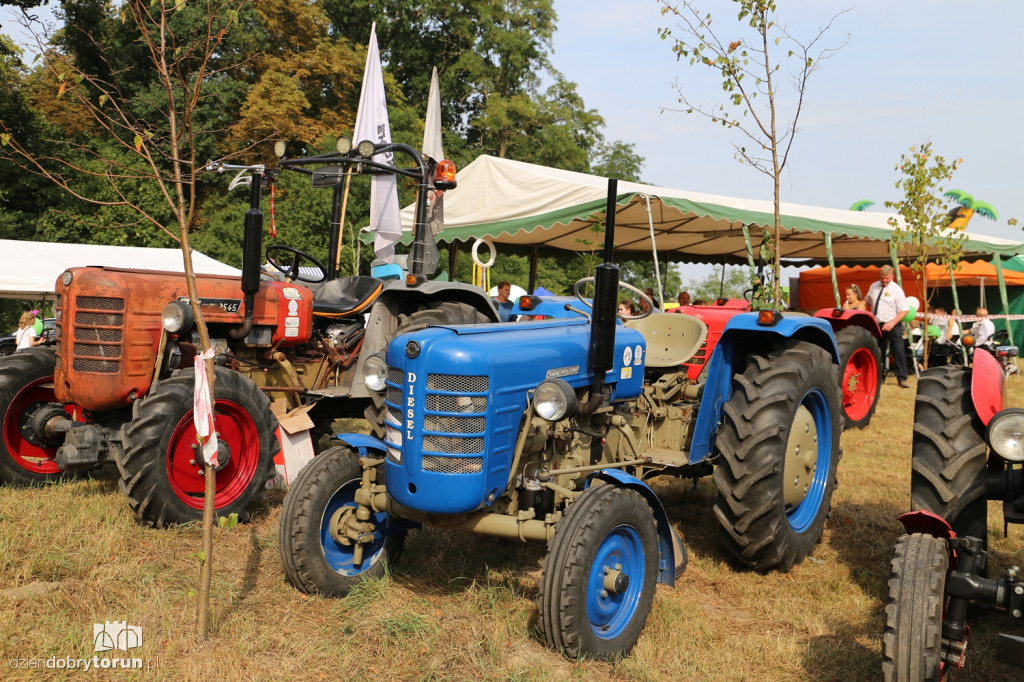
{"x":710,"y":287}
{"x":749,"y":69}
{"x":142,"y":104}
{"x":924,"y":234}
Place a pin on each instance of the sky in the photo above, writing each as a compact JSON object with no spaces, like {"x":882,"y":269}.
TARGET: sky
{"x":910,"y":72}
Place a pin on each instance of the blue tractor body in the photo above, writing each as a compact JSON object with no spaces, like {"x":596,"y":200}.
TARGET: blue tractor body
{"x":456,"y":398}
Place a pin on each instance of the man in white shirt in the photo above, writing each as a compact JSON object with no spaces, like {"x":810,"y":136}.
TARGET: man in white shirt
{"x":889,"y":304}
{"x":984,"y":329}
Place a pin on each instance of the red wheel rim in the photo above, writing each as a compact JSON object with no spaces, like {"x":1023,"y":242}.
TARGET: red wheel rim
{"x":237,"y":429}
{"x":860,"y":384}
{"x":28,"y":455}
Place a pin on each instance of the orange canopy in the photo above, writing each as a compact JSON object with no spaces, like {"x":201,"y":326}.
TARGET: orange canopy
{"x":815,"y":288}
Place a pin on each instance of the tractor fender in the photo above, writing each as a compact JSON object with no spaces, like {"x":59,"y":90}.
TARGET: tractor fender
{"x":839,"y":318}
{"x":400,"y":297}
{"x":671,"y":553}
{"x":986,"y":385}
{"x":362,"y":442}
{"x":922,"y":521}
{"x":742,"y":334}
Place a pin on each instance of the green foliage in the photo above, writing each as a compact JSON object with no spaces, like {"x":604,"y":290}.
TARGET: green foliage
{"x":708,"y":288}
{"x":749,"y":70}
{"x":923,"y":237}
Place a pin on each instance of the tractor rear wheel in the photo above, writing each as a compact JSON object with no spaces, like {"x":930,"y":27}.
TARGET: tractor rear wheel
{"x":912,"y":640}
{"x":949,"y":457}
{"x":26,"y":381}
{"x":322,"y":497}
{"x":162,"y":473}
{"x":599,"y":574}
{"x":778,"y":452}
{"x":860,"y":360}
{"x":447,"y":312}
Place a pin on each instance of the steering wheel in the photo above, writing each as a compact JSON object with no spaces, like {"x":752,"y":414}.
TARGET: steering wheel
{"x":577,"y":289}
{"x":292,"y":274}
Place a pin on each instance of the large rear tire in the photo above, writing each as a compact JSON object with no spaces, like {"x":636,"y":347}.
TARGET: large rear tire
{"x":861,"y":360}
{"x":161,"y":473}
{"x":778,"y":452}
{"x":446,"y":312}
{"x":912,"y":640}
{"x":314,"y":561}
{"x":599,"y":574}
{"x":949,"y":456}
{"x":26,"y":380}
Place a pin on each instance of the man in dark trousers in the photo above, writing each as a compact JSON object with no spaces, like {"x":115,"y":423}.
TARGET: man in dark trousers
{"x":887,"y":301}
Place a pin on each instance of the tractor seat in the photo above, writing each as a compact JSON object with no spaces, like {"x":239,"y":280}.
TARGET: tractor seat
{"x":345,"y":296}
{"x":671,"y":339}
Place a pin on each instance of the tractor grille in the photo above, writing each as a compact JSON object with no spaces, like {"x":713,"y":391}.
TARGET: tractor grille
{"x":97,"y":335}
{"x":453,"y":465}
{"x":452,"y":420}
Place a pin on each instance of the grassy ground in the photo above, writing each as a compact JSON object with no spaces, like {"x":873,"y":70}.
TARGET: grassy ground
{"x":462,"y":607}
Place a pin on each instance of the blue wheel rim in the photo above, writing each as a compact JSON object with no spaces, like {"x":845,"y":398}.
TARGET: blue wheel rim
{"x":610,"y":613}
{"x":801,"y":517}
{"x":339,"y":557}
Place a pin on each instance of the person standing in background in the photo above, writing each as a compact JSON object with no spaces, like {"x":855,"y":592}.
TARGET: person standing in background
{"x":26,"y":334}
{"x":888,"y":303}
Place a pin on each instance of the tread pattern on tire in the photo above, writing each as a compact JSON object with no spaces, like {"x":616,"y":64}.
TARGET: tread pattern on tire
{"x":304,"y":564}
{"x":751,"y":443}
{"x":16,"y":371}
{"x":560,"y":617}
{"x":850,"y":339}
{"x":912,"y":639}
{"x":142,"y":463}
{"x":949,"y":457}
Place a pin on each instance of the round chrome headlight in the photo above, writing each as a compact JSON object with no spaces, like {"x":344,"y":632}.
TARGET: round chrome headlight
{"x":375,"y":371}
{"x":554,"y":399}
{"x":176,"y":317}
{"x":1006,"y":434}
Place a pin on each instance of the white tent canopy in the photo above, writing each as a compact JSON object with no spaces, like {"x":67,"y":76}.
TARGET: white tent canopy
{"x":30,"y":269}
{"x":524,"y":204}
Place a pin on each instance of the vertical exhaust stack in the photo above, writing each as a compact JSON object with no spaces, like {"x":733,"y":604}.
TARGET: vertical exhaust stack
{"x":252,"y":254}
{"x":606,"y":290}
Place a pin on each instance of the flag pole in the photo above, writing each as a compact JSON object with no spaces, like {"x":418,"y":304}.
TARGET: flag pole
{"x":341,"y":226}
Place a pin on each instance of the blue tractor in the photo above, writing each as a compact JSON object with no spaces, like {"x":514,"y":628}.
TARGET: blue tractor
{"x":550,"y":430}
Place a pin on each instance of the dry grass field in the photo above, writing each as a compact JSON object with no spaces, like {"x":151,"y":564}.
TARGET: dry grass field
{"x":462,"y":607}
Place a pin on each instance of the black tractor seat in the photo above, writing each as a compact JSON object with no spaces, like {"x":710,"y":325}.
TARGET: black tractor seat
{"x":345,"y":296}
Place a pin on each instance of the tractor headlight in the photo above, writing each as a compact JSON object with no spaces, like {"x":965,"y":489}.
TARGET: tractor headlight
{"x":177,"y":317}
{"x":554,"y":399}
{"x":1006,"y":434}
{"x":375,"y":371}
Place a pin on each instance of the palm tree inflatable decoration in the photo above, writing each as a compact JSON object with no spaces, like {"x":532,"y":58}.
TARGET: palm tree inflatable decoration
{"x":960,"y":215}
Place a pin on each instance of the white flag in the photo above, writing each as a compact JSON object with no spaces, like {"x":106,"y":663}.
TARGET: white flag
{"x":432,"y":148}
{"x":372,"y":124}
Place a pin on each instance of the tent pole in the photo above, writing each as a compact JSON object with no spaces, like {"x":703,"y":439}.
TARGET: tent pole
{"x":750,"y":250}
{"x":832,"y":268}
{"x":952,"y":285}
{"x":721,"y":285}
{"x":1002,"y":293}
{"x":534,"y":257}
{"x":654,"y":250}
{"x":453,"y":257}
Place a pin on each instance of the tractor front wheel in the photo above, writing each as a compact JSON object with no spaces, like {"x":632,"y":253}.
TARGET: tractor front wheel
{"x":861,"y":360}
{"x":162,"y":472}
{"x":599,"y":574}
{"x":912,"y":640}
{"x":779,"y":449}
{"x":317,"y":554}
{"x":26,"y":383}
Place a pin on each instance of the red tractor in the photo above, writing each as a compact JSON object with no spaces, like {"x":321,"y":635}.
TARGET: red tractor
{"x":967,"y":450}
{"x":118,"y":384}
{"x":857,"y":335}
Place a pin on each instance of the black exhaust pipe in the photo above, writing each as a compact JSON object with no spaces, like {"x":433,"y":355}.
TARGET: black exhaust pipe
{"x":606,"y":290}
{"x":252,"y":255}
